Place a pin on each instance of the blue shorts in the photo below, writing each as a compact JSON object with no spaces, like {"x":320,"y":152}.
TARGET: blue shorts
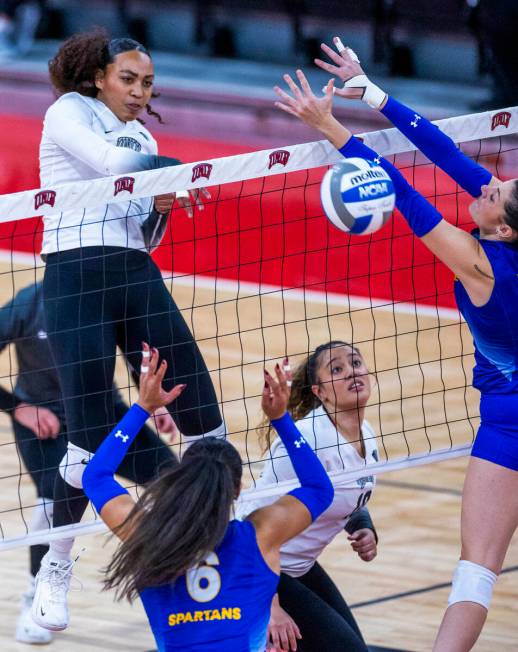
{"x":497,"y":436}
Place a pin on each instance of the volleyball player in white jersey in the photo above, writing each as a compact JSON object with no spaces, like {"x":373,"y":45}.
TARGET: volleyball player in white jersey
{"x":101,"y":287}
{"x":329,"y":393}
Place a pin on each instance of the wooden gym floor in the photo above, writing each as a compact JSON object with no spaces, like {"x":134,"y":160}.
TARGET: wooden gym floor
{"x":400,"y":596}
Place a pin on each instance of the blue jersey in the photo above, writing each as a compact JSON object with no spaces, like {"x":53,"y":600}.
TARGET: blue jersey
{"x":494,"y":326}
{"x":223,"y":604}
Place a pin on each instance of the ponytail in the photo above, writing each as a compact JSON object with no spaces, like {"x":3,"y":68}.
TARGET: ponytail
{"x":180,"y":518}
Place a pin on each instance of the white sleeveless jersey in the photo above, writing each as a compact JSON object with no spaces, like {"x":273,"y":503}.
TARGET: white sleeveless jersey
{"x":82,"y":139}
{"x":300,"y":553}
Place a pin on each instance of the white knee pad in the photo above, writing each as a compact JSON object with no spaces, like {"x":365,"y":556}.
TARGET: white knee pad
{"x":220,"y":432}
{"x":472,"y":583}
{"x":73,"y":464}
{"x":41,"y":517}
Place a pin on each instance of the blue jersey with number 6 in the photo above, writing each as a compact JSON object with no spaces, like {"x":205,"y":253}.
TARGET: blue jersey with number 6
{"x":224,"y":604}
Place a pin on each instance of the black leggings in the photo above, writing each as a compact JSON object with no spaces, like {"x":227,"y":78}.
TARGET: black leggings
{"x":322,"y":615}
{"x":98,"y":298}
{"x":146,"y":457}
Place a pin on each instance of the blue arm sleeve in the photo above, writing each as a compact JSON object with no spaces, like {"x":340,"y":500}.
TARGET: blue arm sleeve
{"x":98,"y":481}
{"x":437,"y":146}
{"x":421,"y":216}
{"x":316,"y":490}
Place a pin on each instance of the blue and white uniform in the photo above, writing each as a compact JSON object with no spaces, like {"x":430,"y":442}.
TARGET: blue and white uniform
{"x":494,"y":325}
{"x":495,"y":375}
{"x":227,"y":599}
{"x":223,"y":604}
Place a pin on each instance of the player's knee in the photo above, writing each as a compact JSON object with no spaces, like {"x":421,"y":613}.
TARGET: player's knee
{"x":73,"y":464}
{"x":41,"y":517}
{"x":472,"y":583}
{"x":220,"y":432}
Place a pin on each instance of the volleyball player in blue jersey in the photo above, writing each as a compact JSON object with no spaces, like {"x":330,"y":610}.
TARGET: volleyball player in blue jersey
{"x":206,"y":581}
{"x":485,"y":264}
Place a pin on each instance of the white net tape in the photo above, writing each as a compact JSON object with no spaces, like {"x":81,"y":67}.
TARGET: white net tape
{"x":98,"y":192}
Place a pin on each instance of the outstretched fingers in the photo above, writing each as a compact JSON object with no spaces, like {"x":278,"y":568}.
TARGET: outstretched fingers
{"x":335,"y":56}
{"x":293,"y":86}
{"x":304,"y":83}
{"x":146,"y":355}
{"x":173,"y":394}
{"x":271,"y":385}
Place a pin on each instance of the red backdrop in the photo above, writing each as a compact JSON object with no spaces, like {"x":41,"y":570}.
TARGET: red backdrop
{"x":263,"y":231}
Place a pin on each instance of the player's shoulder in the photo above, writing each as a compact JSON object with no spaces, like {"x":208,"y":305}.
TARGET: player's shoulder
{"x":317,"y":428}
{"x":25,"y":301}
{"x":238,"y":533}
{"x":28,"y":295}
{"x":312,"y":426}
{"x":70,"y":104}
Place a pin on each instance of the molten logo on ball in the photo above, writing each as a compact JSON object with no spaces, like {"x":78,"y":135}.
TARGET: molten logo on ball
{"x":357,"y":196}
{"x":372,"y":173}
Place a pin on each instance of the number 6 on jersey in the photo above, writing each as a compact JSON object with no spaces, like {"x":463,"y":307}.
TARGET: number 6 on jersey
{"x":204,"y":582}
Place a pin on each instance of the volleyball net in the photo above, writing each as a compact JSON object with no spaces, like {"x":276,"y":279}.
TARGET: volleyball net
{"x":261,"y":274}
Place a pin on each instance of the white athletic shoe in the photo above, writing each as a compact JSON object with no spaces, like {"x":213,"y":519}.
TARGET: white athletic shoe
{"x":49,"y":607}
{"x":27,"y":631}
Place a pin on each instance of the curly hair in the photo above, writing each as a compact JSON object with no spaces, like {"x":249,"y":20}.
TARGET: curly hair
{"x":81,"y":56}
{"x":302,"y":400}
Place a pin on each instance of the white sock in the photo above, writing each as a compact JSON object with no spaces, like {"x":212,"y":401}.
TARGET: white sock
{"x":60,"y":549}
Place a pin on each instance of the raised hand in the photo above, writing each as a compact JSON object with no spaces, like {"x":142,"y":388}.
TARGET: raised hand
{"x":314,"y":111}
{"x":302,"y":103}
{"x":276,"y":391}
{"x":152,"y":395}
{"x":346,"y":65}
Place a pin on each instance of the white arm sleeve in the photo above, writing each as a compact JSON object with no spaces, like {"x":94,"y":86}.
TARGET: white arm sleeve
{"x":68,"y":124}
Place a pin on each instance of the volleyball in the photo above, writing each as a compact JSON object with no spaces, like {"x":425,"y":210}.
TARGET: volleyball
{"x":357,"y":196}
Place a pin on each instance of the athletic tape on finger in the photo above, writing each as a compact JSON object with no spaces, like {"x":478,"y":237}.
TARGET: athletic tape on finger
{"x":342,"y":48}
{"x":146,"y":354}
{"x":144,"y":370}
{"x":339,"y":45}
{"x":353,"y":55}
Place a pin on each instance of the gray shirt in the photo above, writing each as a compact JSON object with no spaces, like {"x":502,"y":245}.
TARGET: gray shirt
{"x":22,"y":323}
